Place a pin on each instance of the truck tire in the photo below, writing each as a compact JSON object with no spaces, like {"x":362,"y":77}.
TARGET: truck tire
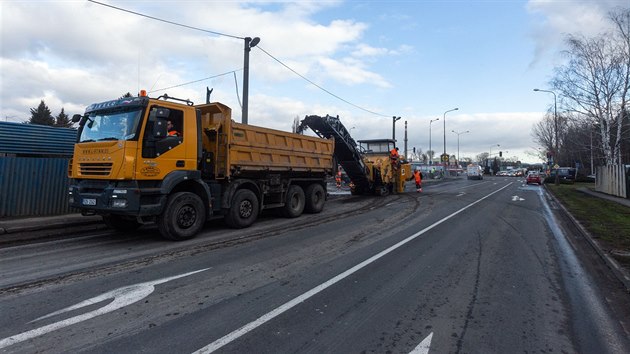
{"x":315,"y":198}
{"x":243,"y":210}
{"x":121,"y":223}
{"x":183,"y":217}
{"x":294,"y":202}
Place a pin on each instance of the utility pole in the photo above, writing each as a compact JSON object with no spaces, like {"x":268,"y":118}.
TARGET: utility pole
{"x":406,"y":140}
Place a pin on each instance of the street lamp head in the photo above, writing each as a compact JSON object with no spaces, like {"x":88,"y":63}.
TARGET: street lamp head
{"x":536,"y":90}
{"x":254,"y":42}
{"x":455,"y":109}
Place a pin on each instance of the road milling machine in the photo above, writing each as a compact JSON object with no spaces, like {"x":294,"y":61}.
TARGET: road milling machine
{"x":368,"y":163}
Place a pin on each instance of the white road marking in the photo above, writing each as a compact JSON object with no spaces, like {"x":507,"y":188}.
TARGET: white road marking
{"x":460,"y":194}
{"x":230,"y":337}
{"x":516,"y":198}
{"x":424,"y":346}
{"x":121,"y":297}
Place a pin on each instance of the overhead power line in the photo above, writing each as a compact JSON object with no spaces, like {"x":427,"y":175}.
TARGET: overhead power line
{"x":192,"y":82}
{"x":319,"y":87}
{"x":167,"y":21}
{"x":237,"y":37}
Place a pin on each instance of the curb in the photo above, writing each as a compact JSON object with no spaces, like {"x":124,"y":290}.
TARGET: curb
{"x":23,"y":230}
{"x":618,"y":271}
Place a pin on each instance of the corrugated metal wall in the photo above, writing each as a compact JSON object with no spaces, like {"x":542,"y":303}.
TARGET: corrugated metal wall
{"x":33,"y":186}
{"x":34,"y":169}
{"x":612,"y":180}
{"x":34,"y":139}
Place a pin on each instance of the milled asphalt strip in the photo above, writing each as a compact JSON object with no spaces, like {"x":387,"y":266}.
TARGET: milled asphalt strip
{"x":228,"y":338}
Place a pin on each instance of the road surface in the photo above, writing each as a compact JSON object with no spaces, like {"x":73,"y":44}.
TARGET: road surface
{"x":464,"y":267}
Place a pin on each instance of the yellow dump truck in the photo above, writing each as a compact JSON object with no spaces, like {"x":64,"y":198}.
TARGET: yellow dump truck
{"x":168,"y":161}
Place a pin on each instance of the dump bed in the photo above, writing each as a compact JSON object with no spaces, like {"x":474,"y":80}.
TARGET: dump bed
{"x":258,"y":148}
{"x":241,"y":148}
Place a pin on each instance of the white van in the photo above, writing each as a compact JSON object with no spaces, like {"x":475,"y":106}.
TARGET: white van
{"x":474,"y":172}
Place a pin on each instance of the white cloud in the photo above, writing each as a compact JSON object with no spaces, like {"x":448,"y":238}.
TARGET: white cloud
{"x":554,"y":20}
{"x":80,"y":52}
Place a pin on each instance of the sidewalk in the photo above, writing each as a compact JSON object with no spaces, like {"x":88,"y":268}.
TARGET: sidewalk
{"x":622,"y":201}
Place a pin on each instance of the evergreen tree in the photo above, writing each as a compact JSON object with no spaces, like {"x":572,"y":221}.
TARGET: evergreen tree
{"x":62,"y":120}
{"x":42,"y":115}
{"x":127,"y":95}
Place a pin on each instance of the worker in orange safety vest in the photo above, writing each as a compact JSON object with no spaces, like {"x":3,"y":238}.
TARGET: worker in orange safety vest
{"x":418,"y":176}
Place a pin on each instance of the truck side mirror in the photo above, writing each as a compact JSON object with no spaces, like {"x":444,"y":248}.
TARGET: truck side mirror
{"x":159,"y":128}
{"x":76,"y":118}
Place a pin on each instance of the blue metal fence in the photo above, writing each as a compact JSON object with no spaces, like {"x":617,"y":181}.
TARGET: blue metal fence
{"x":33,"y":186}
{"x":34,"y":169}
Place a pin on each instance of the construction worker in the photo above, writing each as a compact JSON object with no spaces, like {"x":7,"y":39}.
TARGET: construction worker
{"x":418,"y":176}
{"x":171,"y":129}
{"x":393,"y":155}
{"x":338,"y":179}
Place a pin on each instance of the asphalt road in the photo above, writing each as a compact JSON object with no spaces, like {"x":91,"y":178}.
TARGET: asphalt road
{"x":464,"y":267}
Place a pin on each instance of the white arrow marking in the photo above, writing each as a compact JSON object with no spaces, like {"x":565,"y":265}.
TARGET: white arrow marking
{"x":516,"y":198}
{"x":122,"y":297}
{"x":424,"y":346}
{"x":460,"y":194}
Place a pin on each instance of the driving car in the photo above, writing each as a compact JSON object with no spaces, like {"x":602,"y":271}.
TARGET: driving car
{"x":534,"y":178}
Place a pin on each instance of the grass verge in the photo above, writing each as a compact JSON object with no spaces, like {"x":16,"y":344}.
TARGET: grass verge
{"x":606,"y":220}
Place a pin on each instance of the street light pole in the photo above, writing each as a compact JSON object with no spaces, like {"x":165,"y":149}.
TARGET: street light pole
{"x":555,"y":121}
{"x":394,"y":119}
{"x":431,"y":151}
{"x":444,"y":121}
{"x":249,"y":44}
{"x":458,"y":134}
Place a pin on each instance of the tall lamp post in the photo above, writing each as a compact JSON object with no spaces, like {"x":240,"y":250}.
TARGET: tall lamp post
{"x":555,"y":122}
{"x":458,"y":134}
{"x":444,"y":121}
{"x":394,"y":119}
{"x":249,"y":44}
{"x":431,"y":151}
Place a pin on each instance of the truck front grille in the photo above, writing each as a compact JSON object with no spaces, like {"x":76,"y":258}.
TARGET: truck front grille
{"x":95,"y":168}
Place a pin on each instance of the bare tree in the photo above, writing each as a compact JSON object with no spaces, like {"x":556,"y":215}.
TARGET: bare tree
{"x":543,"y":132}
{"x":596,"y":80}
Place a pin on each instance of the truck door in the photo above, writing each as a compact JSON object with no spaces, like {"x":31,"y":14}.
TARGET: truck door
{"x":163,"y":144}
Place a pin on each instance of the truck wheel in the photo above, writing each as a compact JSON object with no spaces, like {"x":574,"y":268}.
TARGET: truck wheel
{"x":121,"y":223}
{"x":244,"y":209}
{"x":315,"y":198}
{"x":183,"y":217}
{"x":294,"y":202}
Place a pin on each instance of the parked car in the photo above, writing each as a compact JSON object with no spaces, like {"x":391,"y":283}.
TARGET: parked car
{"x":534,"y":178}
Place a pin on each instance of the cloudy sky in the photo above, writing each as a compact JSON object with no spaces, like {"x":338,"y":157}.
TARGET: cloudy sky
{"x":413,"y":59}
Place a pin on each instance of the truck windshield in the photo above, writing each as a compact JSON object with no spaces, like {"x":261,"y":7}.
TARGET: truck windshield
{"x":119,"y":124}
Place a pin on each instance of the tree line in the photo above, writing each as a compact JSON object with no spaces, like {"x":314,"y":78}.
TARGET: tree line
{"x":591,"y":121}
{"x":43,"y":116}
